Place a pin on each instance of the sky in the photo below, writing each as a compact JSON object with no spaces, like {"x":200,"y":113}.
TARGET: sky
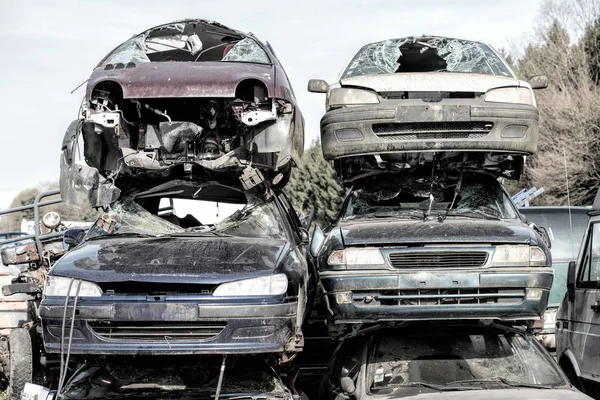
{"x":50,"y":47}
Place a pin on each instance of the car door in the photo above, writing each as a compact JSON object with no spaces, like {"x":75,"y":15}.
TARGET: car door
{"x":585,"y":310}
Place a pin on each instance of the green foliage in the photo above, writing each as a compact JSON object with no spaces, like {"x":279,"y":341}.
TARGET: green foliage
{"x":313,"y":185}
{"x":591,"y":46}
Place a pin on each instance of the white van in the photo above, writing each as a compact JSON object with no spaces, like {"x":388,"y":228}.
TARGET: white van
{"x":578,"y":318}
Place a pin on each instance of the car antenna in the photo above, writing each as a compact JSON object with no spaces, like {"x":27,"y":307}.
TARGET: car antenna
{"x":221,"y":373}
{"x":456,"y":188}
{"x":568,"y":198}
{"x":426,"y":215}
{"x":78,"y":86}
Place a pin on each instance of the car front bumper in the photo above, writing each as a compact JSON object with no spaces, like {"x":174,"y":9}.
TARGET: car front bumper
{"x":372,"y":296}
{"x":106,"y":326}
{"x":416,"y":126}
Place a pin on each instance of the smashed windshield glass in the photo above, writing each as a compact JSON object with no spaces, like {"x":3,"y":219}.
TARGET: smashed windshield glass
{"x":417,"y":195}
{"x":258,"y":219}
{"x":451,"y":359}
{"x":189,"y":41}
{"x":426,"y":54}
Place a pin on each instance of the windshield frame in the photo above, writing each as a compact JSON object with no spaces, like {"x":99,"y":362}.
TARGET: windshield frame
{"x":342,"y":215}
{"x":345,"y":74}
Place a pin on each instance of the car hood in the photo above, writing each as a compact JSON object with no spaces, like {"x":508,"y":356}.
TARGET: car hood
{"x":182,"y":79}
{"x":388,"y":232}
{"x":431,"y":81}
{"x":499,"y":394}
{"x":202,"y":260}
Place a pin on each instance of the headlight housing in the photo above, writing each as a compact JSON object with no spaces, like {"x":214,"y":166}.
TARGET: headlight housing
{"x":351,"y":97}
{"x":359,"y":256}
{"x":263,"y":286}
{"x":518,"y":255}
{"x":518,"y":95}
{"x":51,"y":220}
{"x":58,"y":286}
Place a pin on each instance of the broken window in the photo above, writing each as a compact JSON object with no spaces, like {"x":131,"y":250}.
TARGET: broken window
{"x":190,"y":41}
{"x":426,"y":54}
{"x":475,"y":360}
{"x":161,"y":216}
{"x":417,"y":195}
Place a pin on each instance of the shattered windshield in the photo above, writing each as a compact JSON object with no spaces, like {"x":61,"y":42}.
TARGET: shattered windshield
{"x":256,"y":219}
{"x":426,"y":54}
{"x":418,"y":195}
{"x":188,"y":42}
{"x":473,"y":360}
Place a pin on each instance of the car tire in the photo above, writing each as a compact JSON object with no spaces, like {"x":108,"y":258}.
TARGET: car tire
{"x":20,"y":369}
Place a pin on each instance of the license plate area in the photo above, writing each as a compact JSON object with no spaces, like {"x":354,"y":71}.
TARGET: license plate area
{"x":433,"y":113}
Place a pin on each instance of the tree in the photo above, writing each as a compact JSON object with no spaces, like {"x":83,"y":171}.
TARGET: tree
{"x":569,"y":146}
{"x":82,"y":211}
{"x":313,"y":186}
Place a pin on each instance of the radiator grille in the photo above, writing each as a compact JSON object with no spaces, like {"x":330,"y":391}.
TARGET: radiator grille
{"x":438,"y":259}
{"x":157,"y":330}
{"x":432,"y":130}
{"x":440,"y":297}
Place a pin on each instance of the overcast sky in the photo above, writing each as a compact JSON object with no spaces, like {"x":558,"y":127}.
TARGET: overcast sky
{"x":47,"y":48}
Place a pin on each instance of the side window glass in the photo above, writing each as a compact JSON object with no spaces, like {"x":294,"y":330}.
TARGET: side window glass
{"x":590,"y":269}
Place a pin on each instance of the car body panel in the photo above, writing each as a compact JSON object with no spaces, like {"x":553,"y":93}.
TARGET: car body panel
{"x":578,"y":317}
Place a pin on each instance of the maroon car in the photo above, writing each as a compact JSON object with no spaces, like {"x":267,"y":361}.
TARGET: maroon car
{"x":189,"y":99}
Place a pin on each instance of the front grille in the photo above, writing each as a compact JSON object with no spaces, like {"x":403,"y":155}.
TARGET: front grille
{"x":433,"y":130}
{"x":438,"y":259}
{"x":156,"y":330}
{"x":155,"y":288}
{"x":440,"y":297}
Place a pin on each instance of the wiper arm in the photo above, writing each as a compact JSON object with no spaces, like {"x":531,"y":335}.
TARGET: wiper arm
{"x":198,"y":234}
{"x":504,"y":381}
{"x":123,"y":234}
{"x":475,"y":214}
{"x":441,"y":388}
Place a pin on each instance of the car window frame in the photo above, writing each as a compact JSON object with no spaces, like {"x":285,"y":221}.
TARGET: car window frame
{"x":586,"y":258}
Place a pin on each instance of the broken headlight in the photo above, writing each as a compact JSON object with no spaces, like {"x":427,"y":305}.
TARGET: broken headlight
{"x":59,"y":286}
{"x":265,"y":285}
{"x":361,"y":256}
{"x":518,"y":255}
{"x":519,"y":95}
{"x":351,"y":97}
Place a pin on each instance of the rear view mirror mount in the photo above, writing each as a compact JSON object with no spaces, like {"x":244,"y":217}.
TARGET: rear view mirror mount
{"x":318,"y":86}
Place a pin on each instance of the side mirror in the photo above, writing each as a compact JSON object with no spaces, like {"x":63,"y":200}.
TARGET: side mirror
{"x":347,"y":385}
{"x":545,"y":236}
{"x":304,"y":235}
{"x":318,"y":237}
{"x":538,"y":82}
{"x":73,"y":237}
{"x":571,"y":280}
{"x":306,"y":221}
{"x":318,"y":86}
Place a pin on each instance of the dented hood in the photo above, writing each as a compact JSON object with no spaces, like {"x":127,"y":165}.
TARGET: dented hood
{"x":199,"y":259}
{"x":452,"y":230}
{"x":182,"y":79}
{"x":431,"y":82}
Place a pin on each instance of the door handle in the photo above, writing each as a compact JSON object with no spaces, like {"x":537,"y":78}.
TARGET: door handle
{"x":596,"y":307}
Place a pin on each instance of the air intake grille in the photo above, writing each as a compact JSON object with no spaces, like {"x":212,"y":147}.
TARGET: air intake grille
{"x":156,"y":330}
{"x":438,"y":259}
{"x":433,"y":130}
{"x":441,"y":297}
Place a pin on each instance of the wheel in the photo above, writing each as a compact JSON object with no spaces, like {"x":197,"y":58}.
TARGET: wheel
{"x":19,"y":347}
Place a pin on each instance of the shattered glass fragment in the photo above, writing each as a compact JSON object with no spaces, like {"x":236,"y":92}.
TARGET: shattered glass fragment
{"x":133,"y":50}
{"x":375,"y":58}
{"x":247,"y":50}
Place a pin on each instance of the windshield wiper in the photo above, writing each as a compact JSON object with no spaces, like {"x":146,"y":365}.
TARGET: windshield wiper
{"x":474,"y":214}
{"x":504,"y":381}
{"x":198,"y":234}
{"x":441,"y":388}
{"x":123,"y":234}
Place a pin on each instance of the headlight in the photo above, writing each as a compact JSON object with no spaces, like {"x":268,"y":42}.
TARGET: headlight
{"x":58,"y":286}
{"x":519,"y":95}
{"x":348,"y":97}
{"x":518,"y":255}
{"x":265,"y":285}
{"x":362,"y":256}
{"x":51,"y":220}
